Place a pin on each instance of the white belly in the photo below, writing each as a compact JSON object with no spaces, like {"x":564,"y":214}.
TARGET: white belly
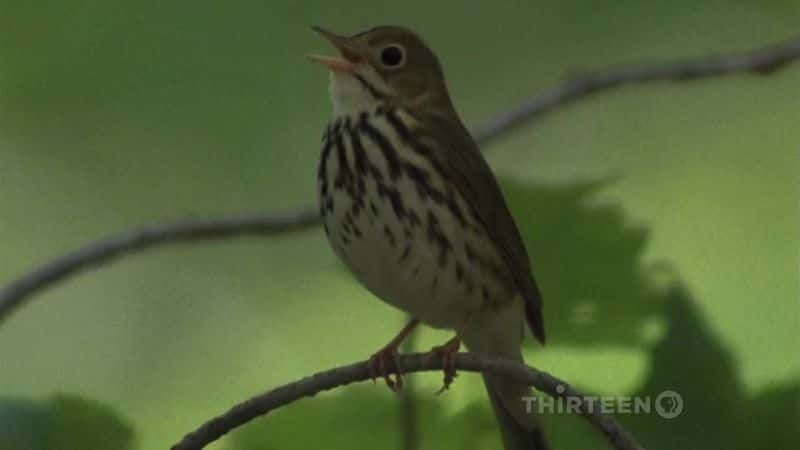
{"x":421,"y":254}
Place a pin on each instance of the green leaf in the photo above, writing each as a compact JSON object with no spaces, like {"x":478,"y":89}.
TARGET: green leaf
{"x":62,"y":422}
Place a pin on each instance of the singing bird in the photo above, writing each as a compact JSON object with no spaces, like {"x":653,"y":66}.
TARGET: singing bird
{"x":412,"y":208}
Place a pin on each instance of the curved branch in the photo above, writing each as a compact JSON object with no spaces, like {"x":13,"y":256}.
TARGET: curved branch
{"x":407,"y":405}
{"x":130,"y":242}
{"x":260,"y":405}
{"x":765,"y":60}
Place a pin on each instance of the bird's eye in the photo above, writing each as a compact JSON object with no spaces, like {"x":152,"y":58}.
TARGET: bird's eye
{"x":392,"y":56}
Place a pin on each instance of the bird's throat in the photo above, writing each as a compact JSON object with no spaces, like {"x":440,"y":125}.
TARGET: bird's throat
{"x":349,"y":95}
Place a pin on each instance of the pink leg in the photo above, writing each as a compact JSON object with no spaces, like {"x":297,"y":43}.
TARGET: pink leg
{"x":380,"y":362}
{"x":448,"y":352}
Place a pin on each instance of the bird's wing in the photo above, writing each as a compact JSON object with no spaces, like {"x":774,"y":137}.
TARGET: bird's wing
{"x":468,"y":170}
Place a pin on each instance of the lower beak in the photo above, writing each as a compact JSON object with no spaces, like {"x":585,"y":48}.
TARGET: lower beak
{"x":333,"y":63}
{"x":350,"y":56}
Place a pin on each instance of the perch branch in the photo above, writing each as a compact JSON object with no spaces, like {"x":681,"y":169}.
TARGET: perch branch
{"x":408,"y":414}
{"x":762,"y":61}
{"x":260,"y":405}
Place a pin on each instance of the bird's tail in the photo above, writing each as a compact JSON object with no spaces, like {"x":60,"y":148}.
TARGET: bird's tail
{"x":519,"y":428}
{"x":498,"y":335}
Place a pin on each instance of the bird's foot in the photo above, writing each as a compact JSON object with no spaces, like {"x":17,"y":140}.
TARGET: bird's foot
{"x":383,"y":363}
{"x":387,"y":360}
{"x":448,"y":353}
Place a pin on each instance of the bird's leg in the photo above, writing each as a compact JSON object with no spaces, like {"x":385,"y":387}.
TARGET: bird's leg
{"x":448,"y":352}
{"x":379,"y":362}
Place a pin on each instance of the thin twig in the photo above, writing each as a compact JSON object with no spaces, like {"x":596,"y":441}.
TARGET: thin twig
{"x":762,"y":61}
{"x":260,"y":405}
{"x":408,"y":411}
{"x":107,"y":249}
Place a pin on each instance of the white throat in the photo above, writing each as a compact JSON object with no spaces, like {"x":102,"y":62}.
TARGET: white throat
{"x":348,"y":95}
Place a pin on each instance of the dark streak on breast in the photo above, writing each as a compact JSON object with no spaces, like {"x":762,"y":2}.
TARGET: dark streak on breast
{"x":437,"y":237}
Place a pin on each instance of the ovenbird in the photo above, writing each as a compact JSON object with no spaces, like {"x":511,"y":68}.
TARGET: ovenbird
{"x":412,"y":208}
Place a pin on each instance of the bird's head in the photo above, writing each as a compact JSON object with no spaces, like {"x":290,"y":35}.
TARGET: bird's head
{"x":383,"y":64}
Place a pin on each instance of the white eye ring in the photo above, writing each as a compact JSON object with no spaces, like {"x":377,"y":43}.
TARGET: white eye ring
{"x":392,"y":56}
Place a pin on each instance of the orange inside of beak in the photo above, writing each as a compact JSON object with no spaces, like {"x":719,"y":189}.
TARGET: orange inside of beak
{"x":350,"y":57}
{"x":333,"y":62}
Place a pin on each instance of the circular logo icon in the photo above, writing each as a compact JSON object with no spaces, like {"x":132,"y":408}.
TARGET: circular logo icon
{"x":669,"y":404}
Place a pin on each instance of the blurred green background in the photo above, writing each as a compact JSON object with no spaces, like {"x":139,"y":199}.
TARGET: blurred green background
{"x":661,"y":220}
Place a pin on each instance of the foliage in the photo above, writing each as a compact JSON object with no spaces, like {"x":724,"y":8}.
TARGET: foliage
{"x":62,"y":422}
{"x":675,"y":262}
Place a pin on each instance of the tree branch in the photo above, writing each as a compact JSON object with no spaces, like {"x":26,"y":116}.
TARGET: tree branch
{"x":262,"y":404}
{"x":407,"y":407}
{"x":107,"y":249}
{"x":762,"y":61}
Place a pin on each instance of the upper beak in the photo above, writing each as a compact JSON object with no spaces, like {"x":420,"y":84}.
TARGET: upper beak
{"x":350,"y":56}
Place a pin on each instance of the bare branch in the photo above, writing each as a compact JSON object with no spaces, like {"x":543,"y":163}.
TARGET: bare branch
{"x":262,"y":404}
{"x":408,"y":413}
{"x":107,"y":249}
{"x":761,"y":61}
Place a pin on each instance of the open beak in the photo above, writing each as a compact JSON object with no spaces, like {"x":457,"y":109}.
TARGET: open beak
{"x":350,"y":57}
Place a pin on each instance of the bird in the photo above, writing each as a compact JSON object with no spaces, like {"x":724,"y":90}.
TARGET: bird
{"x":411,"y":207}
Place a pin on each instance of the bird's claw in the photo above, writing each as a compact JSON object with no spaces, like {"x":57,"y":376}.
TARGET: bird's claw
{"x":448,"y":353}
{"x":385,"y":362}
